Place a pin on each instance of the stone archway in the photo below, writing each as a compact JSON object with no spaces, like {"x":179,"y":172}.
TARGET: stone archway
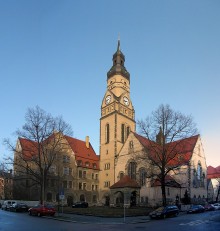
{"x":127,"y":187}
{"x":119,"y":199}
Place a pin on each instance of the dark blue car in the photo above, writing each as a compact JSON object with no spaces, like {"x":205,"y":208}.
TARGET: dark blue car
{"x":196,"y":209}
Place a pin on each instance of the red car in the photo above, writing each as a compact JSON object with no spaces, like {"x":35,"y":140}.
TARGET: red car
{"x":42,"y":210}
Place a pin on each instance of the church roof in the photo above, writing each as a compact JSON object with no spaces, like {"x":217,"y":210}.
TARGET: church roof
{"x":125,"y":182}
{"x":182,"y":150}
{"x":213,"y":173}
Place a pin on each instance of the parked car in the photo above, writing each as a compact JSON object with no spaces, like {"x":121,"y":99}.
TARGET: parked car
{"x":6,"y":204}
{"x":81,"y":204}
{"x":209,"y":207}
{"x":42,"y":210}
{"x":196,"y":209}
{"x":216,"y":206}
{"x":163,"y":212}
{"x":19,"y":207}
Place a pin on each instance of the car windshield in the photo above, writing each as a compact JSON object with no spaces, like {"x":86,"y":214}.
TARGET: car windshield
{"x":160,"y":209}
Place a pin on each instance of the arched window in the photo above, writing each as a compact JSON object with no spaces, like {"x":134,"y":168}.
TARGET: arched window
{"x":132,"y":170}
{"x":142,"y":175}
{"x":128,"y":131}
{"x":107,"y":133}
{"x":121,"y":174}
{"x":122,"y":133}
{"x":199,"y":171}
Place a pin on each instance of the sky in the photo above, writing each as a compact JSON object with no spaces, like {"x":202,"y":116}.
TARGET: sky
{"x":56,"y":54}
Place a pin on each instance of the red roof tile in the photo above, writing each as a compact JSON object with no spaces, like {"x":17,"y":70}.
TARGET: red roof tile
{"x":83,"y":153}
{"x":183,"y":147}
{"x":86,"y":155}
{"x":125,"y":182}
{"x":213,"y":173}
{"x":29,"y":148}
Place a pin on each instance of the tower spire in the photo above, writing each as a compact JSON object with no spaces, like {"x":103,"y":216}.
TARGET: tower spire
{"x":118,"y":48}
{"x":118,"y":64}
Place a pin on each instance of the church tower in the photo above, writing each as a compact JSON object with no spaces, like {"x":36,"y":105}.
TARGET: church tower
{"x":116,"y":122}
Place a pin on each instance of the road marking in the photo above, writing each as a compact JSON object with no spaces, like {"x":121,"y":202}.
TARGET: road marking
{"x":197,"y":222}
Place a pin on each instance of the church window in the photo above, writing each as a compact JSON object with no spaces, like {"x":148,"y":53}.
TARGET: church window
{"x":107,"y":133}
{"x":132,"y":170}
{"x":122,"y":133}
{"x":107,"y":166}
{"x":142,"y":174}
{"x":131,"y":144}
{"x":199,"y":171}
{"x":128,"y":131}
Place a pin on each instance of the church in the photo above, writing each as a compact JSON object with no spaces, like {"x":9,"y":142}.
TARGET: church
{"x":122,"y":178}
{"x":115,"y":177}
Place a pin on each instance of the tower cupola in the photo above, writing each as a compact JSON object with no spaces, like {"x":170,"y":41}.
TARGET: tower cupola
{"x":118,"y":67}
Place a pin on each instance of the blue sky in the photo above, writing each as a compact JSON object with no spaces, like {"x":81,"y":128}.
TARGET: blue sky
{"x":56,"y":54}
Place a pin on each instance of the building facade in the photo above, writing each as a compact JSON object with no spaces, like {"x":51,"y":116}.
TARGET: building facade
{"x":73,"y":175}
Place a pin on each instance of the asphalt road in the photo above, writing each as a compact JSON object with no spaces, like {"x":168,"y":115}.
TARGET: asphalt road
{"x":208,"y":221}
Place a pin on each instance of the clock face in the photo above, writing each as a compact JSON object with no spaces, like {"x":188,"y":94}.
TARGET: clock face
{"x":108,"y":99}
{"x":126,"y":101}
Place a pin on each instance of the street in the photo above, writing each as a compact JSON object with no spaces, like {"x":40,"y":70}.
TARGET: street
{"x":208,"y":221}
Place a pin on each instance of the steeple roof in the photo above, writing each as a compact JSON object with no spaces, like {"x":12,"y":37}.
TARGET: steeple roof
{"x":118,"y":64}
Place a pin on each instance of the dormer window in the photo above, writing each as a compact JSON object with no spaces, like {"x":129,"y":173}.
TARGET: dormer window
{"x":79,"y":163}
{"x":87,"y":164}
{"x":94,"y":166}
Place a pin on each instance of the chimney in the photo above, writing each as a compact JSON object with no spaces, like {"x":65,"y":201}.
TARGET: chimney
{"x":87,"y":141}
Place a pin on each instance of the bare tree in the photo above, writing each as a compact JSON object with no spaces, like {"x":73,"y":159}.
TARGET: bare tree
{"x":164,"y":147}
{"x":39,"y":142}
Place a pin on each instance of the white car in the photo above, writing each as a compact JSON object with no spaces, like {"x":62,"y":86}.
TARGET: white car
{"x":217,"y":206}
{"x":6,"y":205}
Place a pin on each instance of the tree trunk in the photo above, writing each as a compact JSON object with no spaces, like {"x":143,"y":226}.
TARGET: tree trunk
{"x":163,"y":189}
